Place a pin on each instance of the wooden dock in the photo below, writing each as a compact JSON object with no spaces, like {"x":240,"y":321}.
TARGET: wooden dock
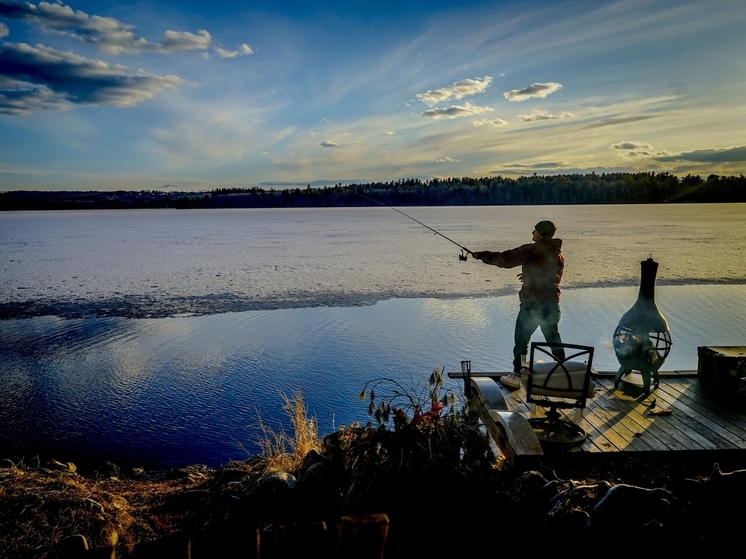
{"x":618,"y":420}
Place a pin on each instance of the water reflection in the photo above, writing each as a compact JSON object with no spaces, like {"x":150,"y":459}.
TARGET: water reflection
{"x":162,"y":392}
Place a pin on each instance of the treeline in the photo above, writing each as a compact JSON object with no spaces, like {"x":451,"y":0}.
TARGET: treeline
{"x":606,"y":188}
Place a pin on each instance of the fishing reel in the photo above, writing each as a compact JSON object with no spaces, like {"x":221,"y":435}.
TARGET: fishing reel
{"x":462,"y":257}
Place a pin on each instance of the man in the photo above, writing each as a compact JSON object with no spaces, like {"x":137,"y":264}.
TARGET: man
{"x":542,"y":266}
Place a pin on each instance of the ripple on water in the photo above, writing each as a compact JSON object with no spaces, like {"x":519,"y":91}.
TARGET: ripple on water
{"x":169,"y":391}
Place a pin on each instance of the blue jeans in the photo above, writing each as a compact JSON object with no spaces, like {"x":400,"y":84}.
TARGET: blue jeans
{"x":530,"y":317}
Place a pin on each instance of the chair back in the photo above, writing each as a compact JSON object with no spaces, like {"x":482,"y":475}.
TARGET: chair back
{"x":568,"y":378}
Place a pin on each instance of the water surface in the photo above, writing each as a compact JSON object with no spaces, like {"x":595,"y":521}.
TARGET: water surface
{"x":357,"y":294}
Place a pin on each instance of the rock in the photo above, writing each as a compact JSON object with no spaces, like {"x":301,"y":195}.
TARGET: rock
{"x":314,"y":474}
{"x":277,"y":484}
{"x":195,"y":472}
{"x":311,"y":458}
{"x":62,"y":466}
{"x":108,"y":469}
{"x":230,"y":475}
{"x":94,"y":505}
{"x":137,"y":473}
{"x":565,"y":508}
{"x":528,"y":486}
{"x":629,"y":506}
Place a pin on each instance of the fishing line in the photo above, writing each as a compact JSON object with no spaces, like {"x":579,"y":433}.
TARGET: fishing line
{"x":461,"y":256}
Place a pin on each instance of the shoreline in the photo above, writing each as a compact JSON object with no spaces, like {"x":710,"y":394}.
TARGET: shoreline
{"x":143,"y":306}
{"x":667,"y":505}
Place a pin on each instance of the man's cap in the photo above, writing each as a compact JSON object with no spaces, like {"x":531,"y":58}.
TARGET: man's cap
{"x":546,"y":229}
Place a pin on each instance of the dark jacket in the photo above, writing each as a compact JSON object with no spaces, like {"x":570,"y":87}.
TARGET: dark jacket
{"x":542,"y":264}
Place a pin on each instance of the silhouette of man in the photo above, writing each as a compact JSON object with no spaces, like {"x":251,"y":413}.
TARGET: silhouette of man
{"x":542,"y":265}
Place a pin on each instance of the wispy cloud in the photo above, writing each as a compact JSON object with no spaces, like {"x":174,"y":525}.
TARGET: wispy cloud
{"x":489,"y":122}
{"x":243,"y":50}
{"x":541,"y":166}
{"x":446,"y":160}
{"x":457,"y":91}
{"x":4,"y":31}
{"x":615,"y":121}
{"x":329,"y":144}
{"x":39,"y":77}
{"x":536,"y":90}
{"x":543,"y":115}
{"x":455,"y":111}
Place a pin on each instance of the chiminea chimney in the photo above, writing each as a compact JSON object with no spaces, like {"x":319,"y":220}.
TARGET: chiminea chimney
{"x":642,"y":340}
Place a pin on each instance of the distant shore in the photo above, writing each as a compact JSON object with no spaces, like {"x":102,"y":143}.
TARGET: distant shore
{"x":606,"y":188}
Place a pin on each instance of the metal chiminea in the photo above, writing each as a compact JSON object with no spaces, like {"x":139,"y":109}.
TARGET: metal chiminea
{"x":642,"y":340}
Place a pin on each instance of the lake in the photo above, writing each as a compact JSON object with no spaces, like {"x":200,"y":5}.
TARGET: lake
{"x":159,"y":338}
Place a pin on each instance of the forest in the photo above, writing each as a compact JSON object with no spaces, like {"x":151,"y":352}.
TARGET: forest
{"x":605,"y":188}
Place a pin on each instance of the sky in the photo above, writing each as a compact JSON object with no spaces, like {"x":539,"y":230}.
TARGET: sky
{"x":197,"y":94}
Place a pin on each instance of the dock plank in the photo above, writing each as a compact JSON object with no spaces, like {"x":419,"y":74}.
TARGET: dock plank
{"x":727,"y":420}
{"x":696,"y":422}
{"x":672,"y":439}
{"x":616,"y":420}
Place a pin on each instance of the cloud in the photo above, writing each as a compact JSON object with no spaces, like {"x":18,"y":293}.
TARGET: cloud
{"x":455,"y":111}
{"x":637,"y":150}
{"x":329,"y":144}
{"x":39,"y":77}
{"x":541,"y":167}
{"x":446,"y":160}
{"x":632,"y":146}
{"x":389,"y":133}
{"x":182,"y":41}
{"x":543,"y":115}
{"x":490,"y":122}
{"x":539,"y":90}
{"x":23,"y":99}
{"x":243,"y":50}
{"x":535,"y":166}
{"x":104,"y":33}
{"x":457,"y":91}
{"x":4,"y":31}
{"x":621,"y":120}
{"x":726,"y":155}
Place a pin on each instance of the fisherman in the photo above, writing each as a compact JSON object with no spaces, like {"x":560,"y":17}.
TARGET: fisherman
{"x":541,"y":264}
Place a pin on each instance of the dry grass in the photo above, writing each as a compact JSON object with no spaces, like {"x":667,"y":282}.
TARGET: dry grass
{"x":286,"y":452}
{"x":40,"y":507}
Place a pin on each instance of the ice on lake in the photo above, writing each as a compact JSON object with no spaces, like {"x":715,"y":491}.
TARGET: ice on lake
{"x":163,"y":262}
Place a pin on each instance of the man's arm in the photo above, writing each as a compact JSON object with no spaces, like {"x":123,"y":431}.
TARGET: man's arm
{"x":507,"y":259}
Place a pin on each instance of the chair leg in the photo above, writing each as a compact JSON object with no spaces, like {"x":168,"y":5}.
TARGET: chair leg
{"x":555,"y":431}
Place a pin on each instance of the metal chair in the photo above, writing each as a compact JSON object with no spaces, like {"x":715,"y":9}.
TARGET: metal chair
{"x":559,"y":384}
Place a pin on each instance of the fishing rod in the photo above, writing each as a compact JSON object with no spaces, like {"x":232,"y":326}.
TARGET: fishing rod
{"x":462,"y":257}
